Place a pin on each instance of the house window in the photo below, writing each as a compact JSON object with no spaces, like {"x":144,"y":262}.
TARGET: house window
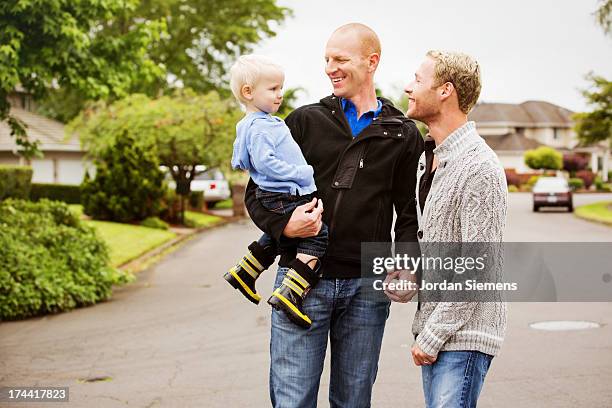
{"x":555,"y":134}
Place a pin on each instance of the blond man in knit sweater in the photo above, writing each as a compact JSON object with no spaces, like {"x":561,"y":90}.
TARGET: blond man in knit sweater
{"x":455,"y":341}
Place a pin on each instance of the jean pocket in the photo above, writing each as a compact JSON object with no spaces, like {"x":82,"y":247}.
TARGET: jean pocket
{"x":274,"y":206}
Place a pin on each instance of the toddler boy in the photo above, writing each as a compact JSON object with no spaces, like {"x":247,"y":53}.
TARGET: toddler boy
{"x":265,"y":148}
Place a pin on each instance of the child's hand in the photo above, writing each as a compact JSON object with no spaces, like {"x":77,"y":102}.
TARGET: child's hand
{"x":305,"y":221}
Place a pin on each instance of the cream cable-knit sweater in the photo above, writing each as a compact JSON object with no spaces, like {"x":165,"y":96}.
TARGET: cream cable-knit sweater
{"x":467,"y":202}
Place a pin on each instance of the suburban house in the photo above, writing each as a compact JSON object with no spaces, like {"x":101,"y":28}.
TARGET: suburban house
{"x":511,"y":129}
{"x":63,"y":161}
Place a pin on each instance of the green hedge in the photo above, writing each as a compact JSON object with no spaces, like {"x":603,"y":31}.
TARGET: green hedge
{"x":154,"y":222}
{"x":15,"y":181}
{"x":50,"y":261}
{"x":57,"y":192}
{"x":576,"y":183}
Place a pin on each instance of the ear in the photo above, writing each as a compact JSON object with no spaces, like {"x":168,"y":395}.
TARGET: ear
{"x":247,"y":92}
{"x":373,"y":61}
{"x":446,"y":90}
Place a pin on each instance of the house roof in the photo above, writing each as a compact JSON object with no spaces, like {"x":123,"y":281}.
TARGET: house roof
{"x":511,"y":142}
{"x":49,"y":132}
{"x":526,"y":114}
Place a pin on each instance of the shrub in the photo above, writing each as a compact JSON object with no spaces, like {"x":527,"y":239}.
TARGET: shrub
{"x":598,"y":183}
{"x":512,"y":188}
{"x":200,"y":220}
{"x":532,"y":180}
{"x":544,"y":157}
{"x":154,"y":222}
{"x":57,"y":192}
{"x":196,"y":200}
{"x":525,"y":188}
{"x":15,"y":181}
{"x":512,"y":178}
{"x":574,"y":162}
{"x":586,"y":176}
{"x":128,"y":184}
{"x":606,"y":187}
{"x":225,"y":204}
{"x":575,"y":183}
{"x":49,"y":260}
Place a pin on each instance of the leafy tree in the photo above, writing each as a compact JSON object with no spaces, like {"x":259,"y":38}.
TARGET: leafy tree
{"x":596,"y":126}
{"x":46,"y":43}
{"x":184,"y":130}
{"x":202,"y":34}
{"x":603,"y":15}
{"x":544,"y":158}
{"x":128,"y":185}
{"x":202,"y":38}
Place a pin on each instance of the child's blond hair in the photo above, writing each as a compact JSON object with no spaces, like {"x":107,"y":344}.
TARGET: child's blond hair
{"x":247,"y":70}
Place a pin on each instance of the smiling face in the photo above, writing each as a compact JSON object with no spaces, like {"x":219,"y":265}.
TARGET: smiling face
{"x":348,"y":68}
{"x":423,"y":96}
{"x":267,"y":94}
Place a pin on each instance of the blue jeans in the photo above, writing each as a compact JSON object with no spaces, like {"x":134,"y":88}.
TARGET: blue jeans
{"x":355,"y":325}
{"x":455,"y":379}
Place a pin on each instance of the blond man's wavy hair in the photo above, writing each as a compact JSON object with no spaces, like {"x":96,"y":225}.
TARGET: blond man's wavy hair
{"x":462,"y":71}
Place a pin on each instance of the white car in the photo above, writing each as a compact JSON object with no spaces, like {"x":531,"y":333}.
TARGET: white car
{"x":213,"y":184}
{"x":552,"y":192}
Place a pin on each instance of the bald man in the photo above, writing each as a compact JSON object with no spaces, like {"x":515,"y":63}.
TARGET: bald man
{"x":365,"y":153}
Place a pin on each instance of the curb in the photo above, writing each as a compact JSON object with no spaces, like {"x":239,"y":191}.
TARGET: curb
{"x":593,"y":220}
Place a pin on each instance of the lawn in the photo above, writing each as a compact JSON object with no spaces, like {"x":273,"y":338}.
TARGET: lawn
{"x":598,"y":212}
{"x":127,"y":242}
{"x":200,"y":220}
{"x":225,"y":204}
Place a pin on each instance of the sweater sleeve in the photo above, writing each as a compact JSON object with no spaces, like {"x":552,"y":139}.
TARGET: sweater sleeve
{"x":483,"y":208}
{"x":482,"y":213}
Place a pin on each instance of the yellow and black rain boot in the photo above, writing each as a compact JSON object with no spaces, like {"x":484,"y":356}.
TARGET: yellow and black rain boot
{"x":288,"y":297}
{"x":243,"y":275}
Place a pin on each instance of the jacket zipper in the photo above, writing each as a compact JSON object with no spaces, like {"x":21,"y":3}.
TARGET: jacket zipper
{"x":363,"y":156}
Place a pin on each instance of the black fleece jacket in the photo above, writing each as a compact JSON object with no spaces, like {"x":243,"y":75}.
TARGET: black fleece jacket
{"x":360,"y":181}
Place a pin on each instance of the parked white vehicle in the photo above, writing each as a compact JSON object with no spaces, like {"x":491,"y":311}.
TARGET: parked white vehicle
{"x":552,"y":192}
{"x":211,"y":183}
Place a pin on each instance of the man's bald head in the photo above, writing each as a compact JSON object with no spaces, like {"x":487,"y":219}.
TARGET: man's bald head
{"x":370,"y":44}
{"x":352,"y":55}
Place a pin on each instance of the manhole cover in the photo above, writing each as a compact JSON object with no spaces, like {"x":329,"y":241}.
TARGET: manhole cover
{"x":559,"y":325}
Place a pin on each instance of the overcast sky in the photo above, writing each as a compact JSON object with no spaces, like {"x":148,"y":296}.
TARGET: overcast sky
{"x":527,"y":49}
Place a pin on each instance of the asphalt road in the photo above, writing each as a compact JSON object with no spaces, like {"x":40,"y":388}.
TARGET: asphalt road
{"x":181,"y":337}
